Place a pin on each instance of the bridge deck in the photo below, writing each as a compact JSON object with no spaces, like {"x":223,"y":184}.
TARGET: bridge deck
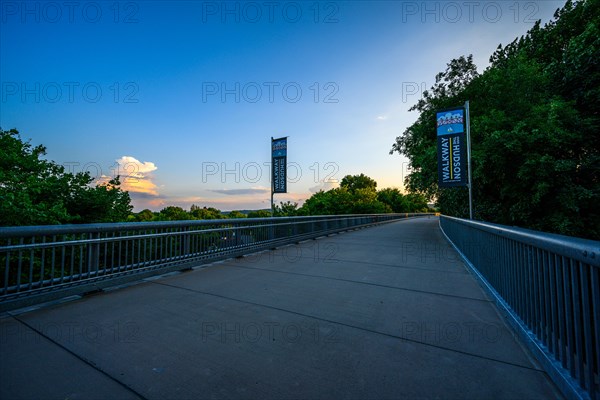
{"x":384,"y":312}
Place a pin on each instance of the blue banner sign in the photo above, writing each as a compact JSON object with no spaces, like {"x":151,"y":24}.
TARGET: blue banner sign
{"x":451,"y":146}
{"x":450,"y":121}
{"x":279,"y":165}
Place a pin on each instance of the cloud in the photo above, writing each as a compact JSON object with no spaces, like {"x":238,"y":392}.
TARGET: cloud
{"x":238,"y":192}
{"x":325,"y":185}
{"x":136,"y":177}
{"x":135,"y":168}
{"x":381,"y":117}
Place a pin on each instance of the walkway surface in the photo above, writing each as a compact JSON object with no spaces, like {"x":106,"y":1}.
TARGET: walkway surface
{"x":383,"y":312}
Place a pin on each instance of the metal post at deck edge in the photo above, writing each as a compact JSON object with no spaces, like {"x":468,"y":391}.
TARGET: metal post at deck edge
{"x":470,"y":184}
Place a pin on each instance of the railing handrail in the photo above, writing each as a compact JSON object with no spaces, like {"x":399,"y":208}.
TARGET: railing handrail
{"x":584,"y":250}
{"x":41,"y":245}
{"x":42,"y":263}
{"x":41,"y":230}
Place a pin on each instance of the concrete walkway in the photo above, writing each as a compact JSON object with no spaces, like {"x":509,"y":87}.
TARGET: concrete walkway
{"x":384,"y":312}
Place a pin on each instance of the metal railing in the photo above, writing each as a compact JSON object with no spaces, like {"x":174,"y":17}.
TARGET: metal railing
{"x":42,"y":263}
{"x":550,"y":286}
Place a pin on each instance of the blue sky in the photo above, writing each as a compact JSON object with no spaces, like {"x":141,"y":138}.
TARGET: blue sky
{"x":182,"y":98}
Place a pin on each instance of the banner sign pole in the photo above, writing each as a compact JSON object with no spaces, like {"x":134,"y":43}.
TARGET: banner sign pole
{"x":272,"y":213}
{"x":454,"y":161}
{"x":470,"y":185}
{"x":451,"y":147}
{"x":278,"y":167}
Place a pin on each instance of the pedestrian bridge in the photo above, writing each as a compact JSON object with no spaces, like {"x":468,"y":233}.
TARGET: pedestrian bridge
{"x":318,"y":307}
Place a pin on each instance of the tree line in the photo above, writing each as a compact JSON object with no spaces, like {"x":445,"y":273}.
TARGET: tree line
{"x":36,"y":191}
{"x":357,"y":194}
{"x":534,"y":127}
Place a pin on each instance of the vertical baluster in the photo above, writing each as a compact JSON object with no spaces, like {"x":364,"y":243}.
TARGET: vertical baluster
{"x":43,"y":266}
{"x":72,"y":266}
{"x":577,"y":322}
{"x":63,"y":261}
{"x":31,"y":259}
{"x":112,"y":253}
{"x":547,"y":335}
{"x":595,"y":323}
{"x":528,"y":265}
{"x":553,"y":306}
{"x":569,"y":313}
{"x":560,"y":315}
{"x":7,"y":270}
{"x":587,"y":356}
{"x":536,"y":304}
{"x":105,"y":259}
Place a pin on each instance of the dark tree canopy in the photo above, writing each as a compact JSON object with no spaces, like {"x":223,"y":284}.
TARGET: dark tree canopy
{"x":356,"y":182}
{"x":534,"y":126}
{"x":357,"y":194}
{"x":286,"y":209}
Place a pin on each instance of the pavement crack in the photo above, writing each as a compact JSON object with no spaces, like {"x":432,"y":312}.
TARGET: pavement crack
{"x":81,"y":358}
{"x":338,"y":260}
{"x":419,"y":342}
{"x":362,"y":283}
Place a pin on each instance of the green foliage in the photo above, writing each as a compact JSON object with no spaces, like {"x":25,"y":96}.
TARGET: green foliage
{"x":400,"y":203}
{"x":394,"y":199}
{"x":287,"y":209}
{"x":205,"y":213}
{"x":358,"y":195}
{"x":35,"y":191}
{"x":331,"y":202}
{"x":259,"y":214}
{"x":173,"y":213}
{"x":356,"y":182}
{"x":534,"y":127}
{"x":236,"y":214}
{"x":144,"y":216}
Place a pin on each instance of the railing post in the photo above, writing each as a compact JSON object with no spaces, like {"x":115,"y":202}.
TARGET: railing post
{"x":186,"y":241}
{"x":271,"y":223}
{"x":93,"y":253}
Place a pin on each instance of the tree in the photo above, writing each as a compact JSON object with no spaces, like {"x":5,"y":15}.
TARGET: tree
{"x":357,"y":194}
{"x":534,"y":128}
{"x":145,"y":216}
{"x":416,"y":202}
{"x":335,"y":201}
{"x":287,"y":209}
{"x":103,"y":203}
{"x":418,"y":142}
{"x":173,"y":213}
{"x":205,"y":213}
{"x":35,"y":191}
{"x":259,"y":214}
{"x":355,"y":182}
{"x":364,"y":201}
{"x":236,"y":214}
{"x":394,"y":199}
